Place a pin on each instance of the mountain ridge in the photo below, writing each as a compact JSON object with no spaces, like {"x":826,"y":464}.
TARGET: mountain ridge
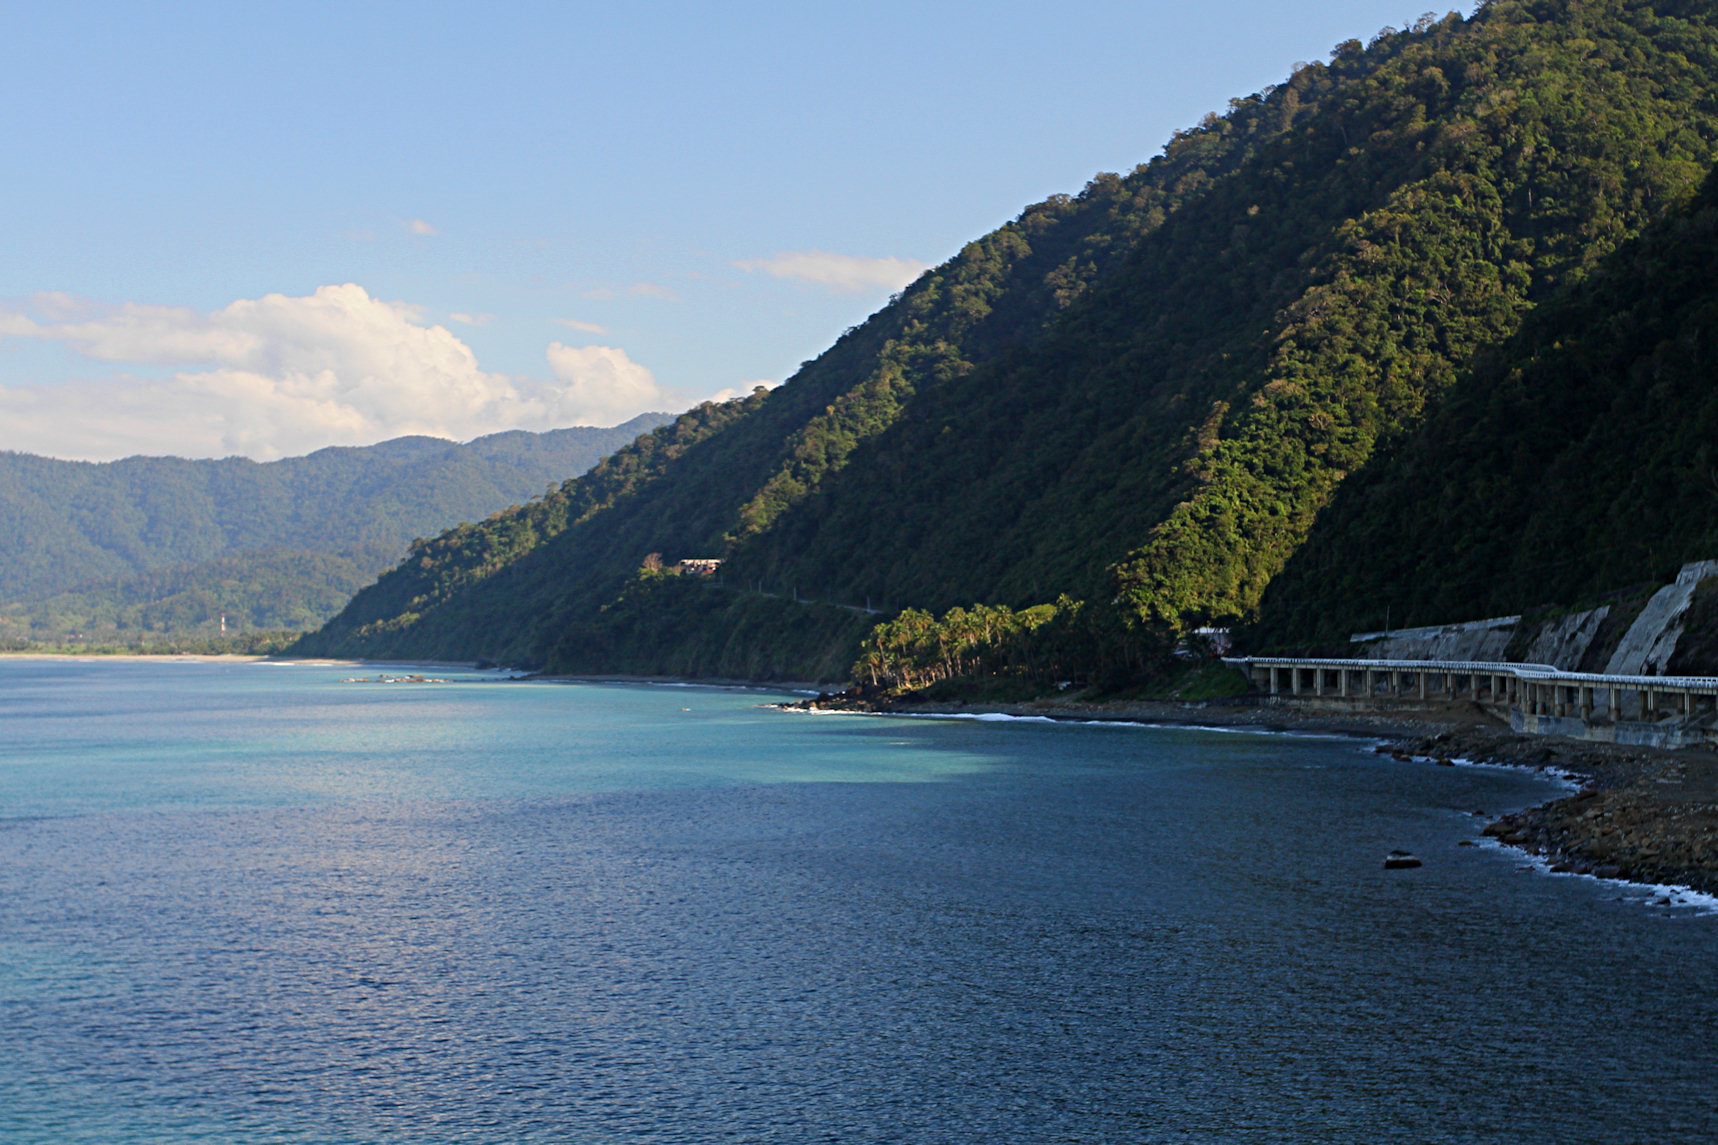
{"x":77,"y":539}
{"x":1153,"y":421}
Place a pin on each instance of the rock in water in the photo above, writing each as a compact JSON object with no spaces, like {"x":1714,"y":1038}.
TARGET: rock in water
{"x":1399,"y":861}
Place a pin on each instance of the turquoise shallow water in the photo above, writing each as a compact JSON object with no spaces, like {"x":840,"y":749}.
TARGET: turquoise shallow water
{"x":251,"y":903}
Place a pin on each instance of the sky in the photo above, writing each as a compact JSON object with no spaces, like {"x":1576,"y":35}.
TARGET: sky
{"x":266,"y":229}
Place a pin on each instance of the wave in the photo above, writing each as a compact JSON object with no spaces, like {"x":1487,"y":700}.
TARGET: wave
{"x":1670,"y":895}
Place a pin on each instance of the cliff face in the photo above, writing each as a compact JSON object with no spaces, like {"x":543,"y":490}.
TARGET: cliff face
{"x":1144,"y":396}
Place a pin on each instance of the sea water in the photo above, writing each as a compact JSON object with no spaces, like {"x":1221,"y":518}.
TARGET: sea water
{"x":254,"y":903}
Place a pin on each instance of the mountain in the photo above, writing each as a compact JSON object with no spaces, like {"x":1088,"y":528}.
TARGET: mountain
{"x":1140,"y":398}
{"x":167,"y":544}
{"x":1574,"y":461}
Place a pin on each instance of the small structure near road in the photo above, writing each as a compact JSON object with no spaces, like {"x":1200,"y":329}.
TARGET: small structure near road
{"x":699,"y":566}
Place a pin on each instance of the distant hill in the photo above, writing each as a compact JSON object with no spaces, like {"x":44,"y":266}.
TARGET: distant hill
{"x":165,"y":544}
{"x":1126,"y":409}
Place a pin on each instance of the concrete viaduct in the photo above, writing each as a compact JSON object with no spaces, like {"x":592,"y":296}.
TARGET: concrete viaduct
{"x":1660,"y":711}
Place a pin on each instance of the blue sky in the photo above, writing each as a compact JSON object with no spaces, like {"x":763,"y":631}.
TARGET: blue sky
{"x":264,"y":229}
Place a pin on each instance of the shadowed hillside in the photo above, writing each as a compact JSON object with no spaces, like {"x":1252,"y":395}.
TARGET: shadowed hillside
{"x":1577,"y":459}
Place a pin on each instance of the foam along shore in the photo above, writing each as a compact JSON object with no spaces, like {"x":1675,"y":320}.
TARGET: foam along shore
{"x":1640,"y":814}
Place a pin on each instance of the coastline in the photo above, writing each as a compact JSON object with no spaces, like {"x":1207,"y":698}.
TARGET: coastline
{"x":1641,"y":815}
{"x":141,"y":657}
{"x":803,"y":687}
{"x":235,"y":658}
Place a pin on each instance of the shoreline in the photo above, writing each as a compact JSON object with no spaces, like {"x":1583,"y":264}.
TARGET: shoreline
{"x":235,"y":658}
{"x":1641,"y":815}
{"x":801,"y":687}
{"x":141,"y":657}
{"x":1645,"y":816}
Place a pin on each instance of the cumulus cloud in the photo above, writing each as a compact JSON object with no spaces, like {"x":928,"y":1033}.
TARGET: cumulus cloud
{"x":279,"y":375}
{"x":843,"y":272}
{"x":603,"y":378}
{"x":575,"y":324}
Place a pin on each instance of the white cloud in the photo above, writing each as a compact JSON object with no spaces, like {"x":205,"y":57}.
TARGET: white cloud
{"x":58,"y":304}
{"x":575,"y":324}
{"x":603,"y":378}
{"x":419,"y":227}
{"x":843,"y":272}
{"x":744,"y":389}
{"x":279,"y":375}
{"x":472,"y":319}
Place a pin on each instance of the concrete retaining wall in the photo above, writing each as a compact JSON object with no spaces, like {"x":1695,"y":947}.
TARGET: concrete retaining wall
{"x":1651,"y":640}
{"x":1473,"y":640}
{"x":1562,"y":643}
{"x":1669,"y":734}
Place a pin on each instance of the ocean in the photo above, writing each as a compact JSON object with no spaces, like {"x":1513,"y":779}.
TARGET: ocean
{"x":253,"y":902}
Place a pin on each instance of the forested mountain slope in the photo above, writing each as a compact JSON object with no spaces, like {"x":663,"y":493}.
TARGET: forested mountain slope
{"x":1577,"y":459}
{"x":1142,"y":395}
{"x":159,"y":542}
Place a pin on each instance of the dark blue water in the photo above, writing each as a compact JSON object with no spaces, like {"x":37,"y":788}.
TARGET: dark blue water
{"x":245,"y":903}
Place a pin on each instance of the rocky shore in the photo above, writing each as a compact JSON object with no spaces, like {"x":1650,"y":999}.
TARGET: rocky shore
{"x":1645,"y":815}
{"x":1642,"y":814}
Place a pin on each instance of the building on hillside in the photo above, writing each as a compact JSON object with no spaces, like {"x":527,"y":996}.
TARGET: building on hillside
{"x":699,"y":566}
